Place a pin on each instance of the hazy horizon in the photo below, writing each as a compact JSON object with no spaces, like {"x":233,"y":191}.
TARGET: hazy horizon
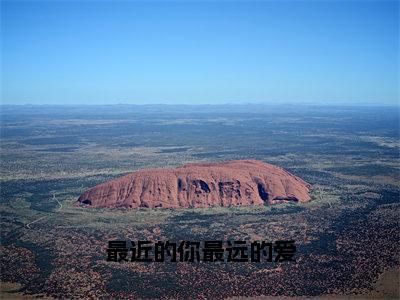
{"x":300,"y":104}
{"x":218,"y":105}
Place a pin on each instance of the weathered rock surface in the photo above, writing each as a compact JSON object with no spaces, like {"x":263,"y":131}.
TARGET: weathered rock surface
{"x":231,"y":183}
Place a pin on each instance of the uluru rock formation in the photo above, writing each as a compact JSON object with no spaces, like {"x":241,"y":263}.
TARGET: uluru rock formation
{"x":231,"y":183}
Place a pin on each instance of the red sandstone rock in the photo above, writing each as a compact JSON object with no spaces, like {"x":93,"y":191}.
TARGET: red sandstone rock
{"x":232,"y":183}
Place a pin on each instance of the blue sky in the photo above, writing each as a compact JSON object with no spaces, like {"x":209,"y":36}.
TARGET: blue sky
{"x":89,"y":52}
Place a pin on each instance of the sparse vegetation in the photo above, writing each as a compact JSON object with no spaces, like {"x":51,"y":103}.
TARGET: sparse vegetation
{"x":347,"y":235}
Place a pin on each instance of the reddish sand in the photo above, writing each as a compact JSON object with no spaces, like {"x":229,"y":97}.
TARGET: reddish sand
{"x":231,"y":183}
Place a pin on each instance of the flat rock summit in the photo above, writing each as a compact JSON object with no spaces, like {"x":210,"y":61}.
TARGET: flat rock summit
{"x":231,"y":183}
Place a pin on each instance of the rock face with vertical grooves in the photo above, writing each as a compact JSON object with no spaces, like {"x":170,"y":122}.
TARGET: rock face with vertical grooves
{"x":231,"y":183}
